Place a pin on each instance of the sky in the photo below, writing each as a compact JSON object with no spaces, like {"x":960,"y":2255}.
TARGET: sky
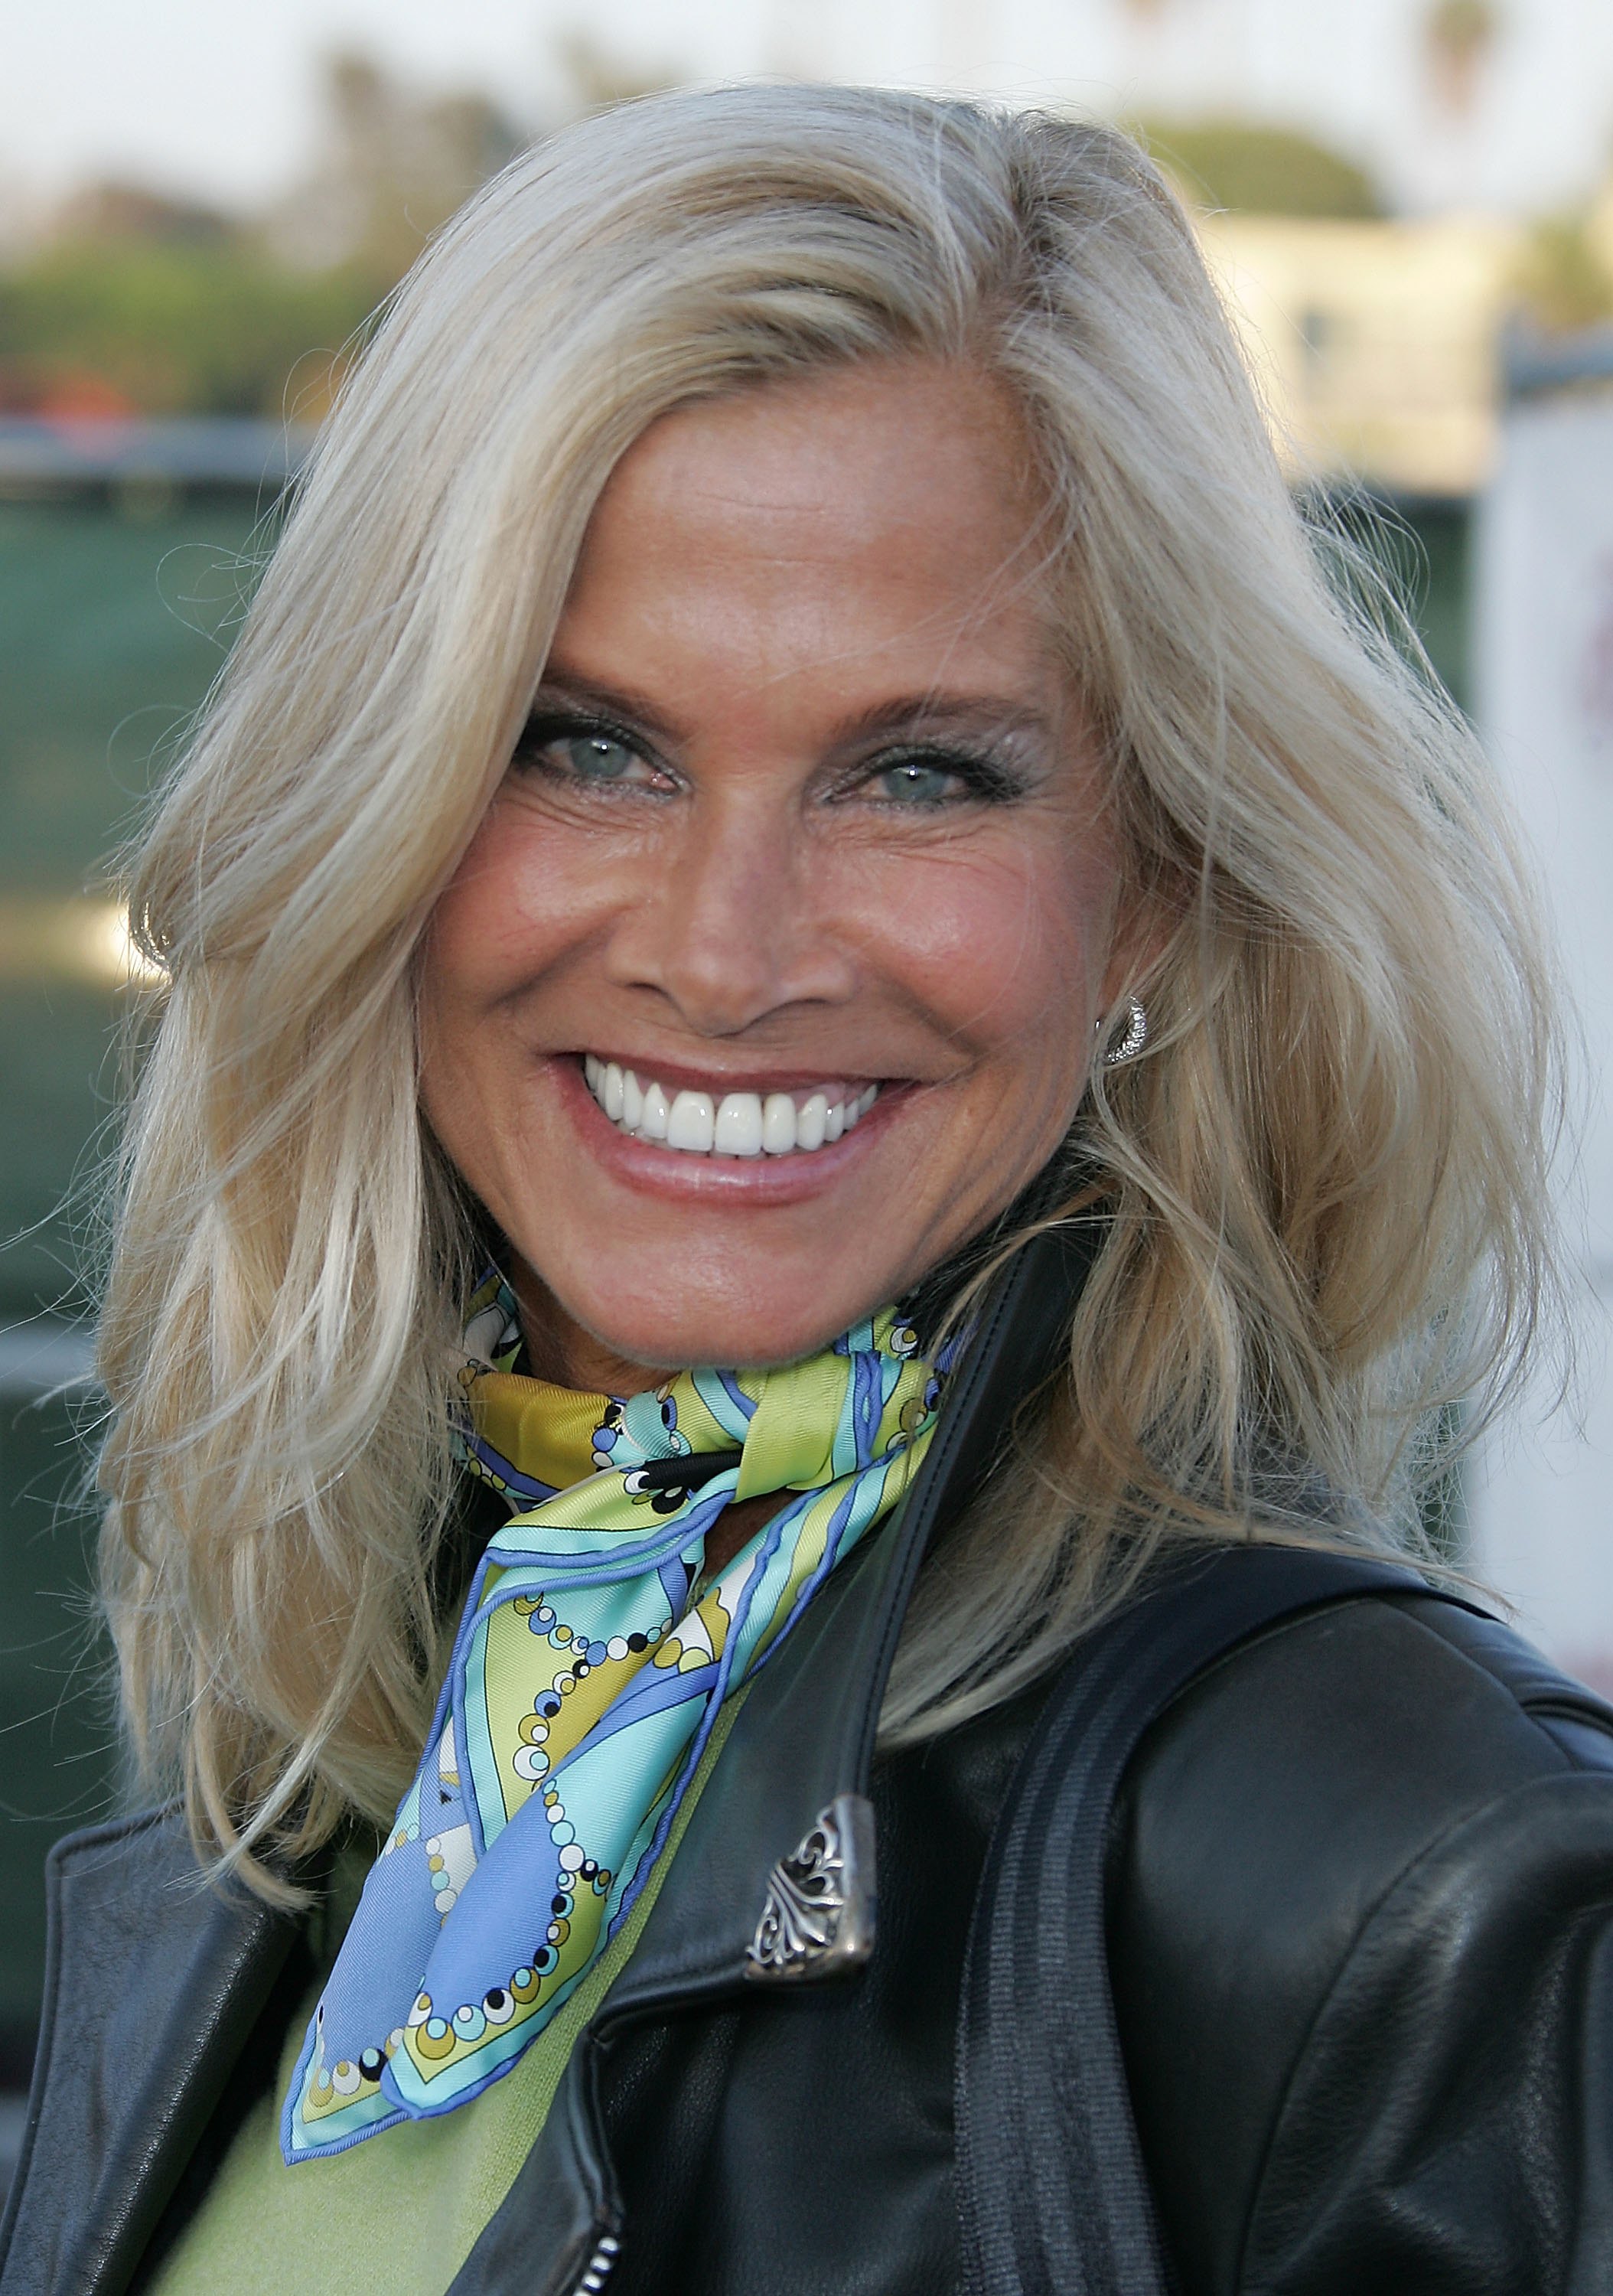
{"x":216,"y":100}
{"x":219,"y":101}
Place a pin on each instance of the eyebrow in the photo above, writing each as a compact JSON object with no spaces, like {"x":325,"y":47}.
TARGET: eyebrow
{"x":620,"y":701}
{"x":904,"y":713}
{"x":942,"y":711}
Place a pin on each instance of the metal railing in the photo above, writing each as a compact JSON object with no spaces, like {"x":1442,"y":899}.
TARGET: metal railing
{"x":182,"y":450}
{"x":43,"y":1357}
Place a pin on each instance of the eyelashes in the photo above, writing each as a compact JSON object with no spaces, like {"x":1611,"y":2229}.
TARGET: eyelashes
{"x":593,"y":751}
{"x":912,"y":772}
{"x":586,"y":748}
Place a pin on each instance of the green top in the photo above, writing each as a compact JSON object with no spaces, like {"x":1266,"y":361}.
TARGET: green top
{"x":397,"y":2215}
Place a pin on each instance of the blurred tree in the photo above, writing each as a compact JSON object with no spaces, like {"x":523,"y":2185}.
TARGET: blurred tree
{"x":1239,"y":165}
{"x":140,"y":303}
{"x":1565,"y":278}
{"x":1460,"y":36}
{"x":137,"y":302}
{"x":171,"y":329}
{"x":394,"y":166}
{"x":113,"y":211}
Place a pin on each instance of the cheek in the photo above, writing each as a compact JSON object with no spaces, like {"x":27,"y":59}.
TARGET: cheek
{"x":1000,"y":945}
{"x":479,"y":951}
{"x":464,"y":952}
{"x":508,"y":913}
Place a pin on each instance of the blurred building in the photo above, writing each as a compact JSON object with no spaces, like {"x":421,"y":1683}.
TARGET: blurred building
{"x":1543,"y":646}
{"x":1377,"y":344}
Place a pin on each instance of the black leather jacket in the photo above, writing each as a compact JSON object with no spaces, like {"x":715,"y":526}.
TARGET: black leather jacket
{"x":1361,"y":1933}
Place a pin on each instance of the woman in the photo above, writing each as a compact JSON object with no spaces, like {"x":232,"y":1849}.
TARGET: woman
{"x":794,"y":800}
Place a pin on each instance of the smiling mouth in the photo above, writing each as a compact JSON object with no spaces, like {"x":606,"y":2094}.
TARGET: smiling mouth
{"x":730,"y":1124}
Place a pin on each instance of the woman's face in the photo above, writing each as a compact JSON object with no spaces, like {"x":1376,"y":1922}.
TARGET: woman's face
{"x":806,"y":837}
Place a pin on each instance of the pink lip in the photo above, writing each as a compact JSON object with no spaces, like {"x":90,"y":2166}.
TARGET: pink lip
{"x":676,"y":1176}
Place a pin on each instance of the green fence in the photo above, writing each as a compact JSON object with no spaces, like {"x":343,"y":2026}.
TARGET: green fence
{"x":115,"y":609}
{"x":113,"y":614}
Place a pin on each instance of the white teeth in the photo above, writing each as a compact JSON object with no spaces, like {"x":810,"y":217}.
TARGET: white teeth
{"x":738,"y":1131}
{"x":778,"y":1123}
{"x":741,"y":1124}
{"x":691,"y":1123}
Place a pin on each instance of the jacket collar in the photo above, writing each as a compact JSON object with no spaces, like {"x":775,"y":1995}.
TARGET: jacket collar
{"x":184,"y":1975}
{"x":804,"y":1739}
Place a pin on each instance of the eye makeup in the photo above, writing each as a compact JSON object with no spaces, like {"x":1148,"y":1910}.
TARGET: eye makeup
{"x":913,"y":772}
{"x":589,"y":752}
{"x":596,"y":749}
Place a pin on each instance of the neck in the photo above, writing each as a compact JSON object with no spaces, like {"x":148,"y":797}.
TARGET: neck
{"x":564,"y":1353}
{"x":567,"y":1356}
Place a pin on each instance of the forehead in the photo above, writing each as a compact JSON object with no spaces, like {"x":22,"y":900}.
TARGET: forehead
{"x":879,"y":510}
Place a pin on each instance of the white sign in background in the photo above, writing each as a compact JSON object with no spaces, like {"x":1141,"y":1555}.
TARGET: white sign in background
{"x":1540,"y":1494}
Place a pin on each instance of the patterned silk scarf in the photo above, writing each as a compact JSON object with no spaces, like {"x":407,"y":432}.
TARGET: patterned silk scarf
{"x":590,"y":1663}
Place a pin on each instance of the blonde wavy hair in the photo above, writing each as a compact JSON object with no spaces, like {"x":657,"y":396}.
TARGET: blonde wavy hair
{"x":1321,"y":1188}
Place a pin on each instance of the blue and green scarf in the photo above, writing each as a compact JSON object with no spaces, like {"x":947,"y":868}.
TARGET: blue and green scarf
{"x":590,"y":1663}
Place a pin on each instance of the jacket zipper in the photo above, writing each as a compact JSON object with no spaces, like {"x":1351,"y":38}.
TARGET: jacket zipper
{"x":599,"y":2265}
{"x":607,"y":2244}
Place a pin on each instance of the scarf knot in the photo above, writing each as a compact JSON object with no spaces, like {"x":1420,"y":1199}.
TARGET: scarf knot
{"x":591,"y":1661}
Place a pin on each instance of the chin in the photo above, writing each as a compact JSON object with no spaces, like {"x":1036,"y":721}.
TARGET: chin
{"x":738,"y":1329}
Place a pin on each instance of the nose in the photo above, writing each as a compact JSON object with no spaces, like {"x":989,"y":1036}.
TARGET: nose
{"x":727,"y":929}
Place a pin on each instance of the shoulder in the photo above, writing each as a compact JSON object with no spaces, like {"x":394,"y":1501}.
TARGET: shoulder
{"x":148,"y":1852}
{"x":153,"y":1981}
{"x":1334,"y":1746}
{"x":1350,"y":1823}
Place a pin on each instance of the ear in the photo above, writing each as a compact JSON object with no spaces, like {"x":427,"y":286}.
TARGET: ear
{"x":1144,"y":923}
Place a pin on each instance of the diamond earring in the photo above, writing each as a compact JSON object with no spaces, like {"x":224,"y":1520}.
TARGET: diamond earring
{"x":1127,"y":1047}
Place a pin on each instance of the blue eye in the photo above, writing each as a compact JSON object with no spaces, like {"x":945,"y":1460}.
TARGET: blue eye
{"x":587,"y":752}
{"x":595,"y":756}
{"x":919,"y":781}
